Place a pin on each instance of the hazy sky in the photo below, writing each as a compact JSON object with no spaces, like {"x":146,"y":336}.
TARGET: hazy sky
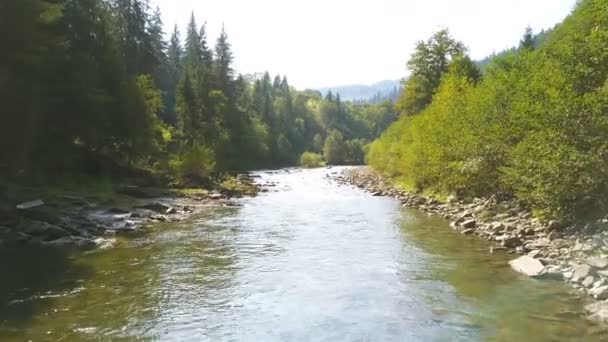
{"x":320,"y":43}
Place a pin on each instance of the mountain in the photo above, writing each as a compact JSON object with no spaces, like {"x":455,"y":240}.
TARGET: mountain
{"x":383,"y":90}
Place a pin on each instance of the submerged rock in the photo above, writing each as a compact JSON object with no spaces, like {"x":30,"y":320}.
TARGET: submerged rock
{"x":527,"y":266}
{"x":598,"y":311}
{"x":157,"y":207}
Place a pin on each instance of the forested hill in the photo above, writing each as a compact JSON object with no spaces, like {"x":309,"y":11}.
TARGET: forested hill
{"x":377,"y":92}
{"x":92,"y":85}
{"x":532,"y":127}
{"x":536,"y":39}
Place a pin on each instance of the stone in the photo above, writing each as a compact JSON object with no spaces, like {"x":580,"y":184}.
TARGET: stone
{"x":469,"y":224}
{"x":74,"y":241}
{"x":44,"y":229}
{"x":598,"y":311}
{"x":581,"y":272}
{"x":588,"y":282}
{"x":597,"y":262}
{"x":218,"y":196}
{"x":468,"y":231}
{"x":568,"y":275}
{"x":117,"y":211}
{"x":600,"y":292}
{"x":496,"y":226}
{"x":30,"y":205}
{"x":157,"y":207}
{"x":527,"y":266}
{"x":511,"y":242}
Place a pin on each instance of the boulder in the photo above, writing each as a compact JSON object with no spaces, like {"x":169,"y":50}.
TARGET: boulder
{"x":581,"y":272}
{"x":600,"y":292}
{"x":468,"y":231}
{"x":597,"y":262}
{"x":598,"y":311}
{"x":527,"y":266}
{"x":588,"y":282}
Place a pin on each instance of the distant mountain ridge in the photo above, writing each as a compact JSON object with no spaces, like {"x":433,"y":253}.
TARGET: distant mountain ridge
{"x":383,"y":90}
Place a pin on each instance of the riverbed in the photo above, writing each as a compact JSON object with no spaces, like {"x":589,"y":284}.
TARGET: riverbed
{"x":309,"y":260}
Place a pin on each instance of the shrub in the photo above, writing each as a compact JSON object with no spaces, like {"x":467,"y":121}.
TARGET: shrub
{"x":311,"y":160}
{"x":194,"y":163}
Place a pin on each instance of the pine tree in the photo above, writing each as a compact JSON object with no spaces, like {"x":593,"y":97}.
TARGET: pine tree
{"x":223,"y":64}
{"x":527,"y":42}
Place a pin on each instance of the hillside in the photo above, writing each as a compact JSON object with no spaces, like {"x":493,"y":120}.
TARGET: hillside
{"x":388,"y":89}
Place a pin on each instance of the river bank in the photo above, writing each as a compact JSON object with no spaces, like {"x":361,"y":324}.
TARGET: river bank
{"x":77,"y":219}
{"x":575,"y":254}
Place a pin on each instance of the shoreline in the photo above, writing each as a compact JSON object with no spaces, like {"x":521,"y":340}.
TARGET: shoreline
{"x":576,"y":255}
{"x":84,"y":221}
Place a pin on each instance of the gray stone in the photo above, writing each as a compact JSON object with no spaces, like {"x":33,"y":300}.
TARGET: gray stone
{"x":597,"y":262}
{"x":598,"y":311}
{"x":581,"y":272}
{"x":218,"y":196}
{"x":588,"y":282}
{"x":468,"y":231}
{"x":600,"y":292}
{"x":74,"y":241}
{"x":157,"y":207}
{"x":43,"y":229}
{"x":511,"y":242}
{"x":528,"y":266}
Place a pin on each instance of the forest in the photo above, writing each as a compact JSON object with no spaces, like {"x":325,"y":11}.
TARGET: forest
{"x":533,"y":126}
{"x":94,"y":87}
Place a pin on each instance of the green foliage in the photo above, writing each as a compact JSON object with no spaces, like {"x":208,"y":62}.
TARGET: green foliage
{"x":535,"y":127}
{"x":427,"y":65}
{"x":195,"y":163}
{"x":90,"y":85}
{"x":334,"y":149}
{"x":311,"y":160}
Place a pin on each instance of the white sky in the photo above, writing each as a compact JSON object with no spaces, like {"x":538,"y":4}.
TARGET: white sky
{"x":320,"y":43}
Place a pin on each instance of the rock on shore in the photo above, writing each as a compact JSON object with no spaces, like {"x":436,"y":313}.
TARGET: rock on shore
{"x":576,"y":254}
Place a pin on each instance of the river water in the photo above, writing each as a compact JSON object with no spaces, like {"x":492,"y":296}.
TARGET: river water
{"x":311,"y":260}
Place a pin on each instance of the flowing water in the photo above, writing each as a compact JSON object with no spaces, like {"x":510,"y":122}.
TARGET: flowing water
{"x":311,"y":260}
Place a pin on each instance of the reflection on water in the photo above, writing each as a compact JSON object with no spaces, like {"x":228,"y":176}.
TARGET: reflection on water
{"x":312,"y":260}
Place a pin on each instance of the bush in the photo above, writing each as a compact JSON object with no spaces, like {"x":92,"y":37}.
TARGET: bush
{"x":194,"y":163}
{"x":311,"y":160}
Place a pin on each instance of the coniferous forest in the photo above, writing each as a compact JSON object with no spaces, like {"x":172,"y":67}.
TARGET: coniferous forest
{"x":93,"y":86}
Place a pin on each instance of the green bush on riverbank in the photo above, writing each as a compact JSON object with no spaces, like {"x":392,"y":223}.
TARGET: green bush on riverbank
{"x":535,"y":126}
{"x":311,"y":160}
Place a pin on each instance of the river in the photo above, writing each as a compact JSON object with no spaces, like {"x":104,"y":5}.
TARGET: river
{"x":310,"y":260}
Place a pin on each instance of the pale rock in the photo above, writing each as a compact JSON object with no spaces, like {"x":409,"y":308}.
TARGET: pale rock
{"x":597,"y":262}
{"x":598,"y":311}
{"x":581,"y":272}
{"x":599,"y":292}
{"x":528,"y":266}
{"x":588,"y":282}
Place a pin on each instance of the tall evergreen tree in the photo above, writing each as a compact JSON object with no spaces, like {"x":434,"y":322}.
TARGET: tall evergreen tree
{"x":527,"y":41}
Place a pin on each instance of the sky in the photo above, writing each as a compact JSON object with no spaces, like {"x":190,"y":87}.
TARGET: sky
{"x":319,"y":43}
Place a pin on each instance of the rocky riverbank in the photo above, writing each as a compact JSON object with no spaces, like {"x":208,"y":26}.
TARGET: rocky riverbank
{"x":79,"y":220}
{"x":576,"y":254}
